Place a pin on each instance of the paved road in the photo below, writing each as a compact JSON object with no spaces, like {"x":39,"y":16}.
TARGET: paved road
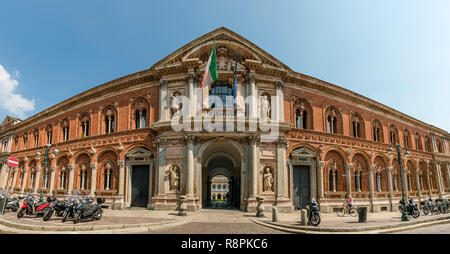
{"x":438,"y":229}
{"x":217,"y":228}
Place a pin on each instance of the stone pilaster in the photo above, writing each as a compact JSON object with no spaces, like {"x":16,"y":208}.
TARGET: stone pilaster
{"x":348,"y":178}
{"x":438,"y":175}
{"x":253,"y":93}
{"x":37,"y":179}
{"x":418,"y":187}
{"x":163,"y":109}
{"x":52,"y":179}
{"x":282,"y":191}
{"x":190,"y":93}
{"x":121,"y":164}
{"x":371,"y":185}
{"x":14,"y":180}
{"x":189,"y":163}
{"x":254,"y":149}
{"x":160,"y":165}
{"x":280,"y":98}
{"x":321,"y":192}
{"x":71,"y":168}
{"x":93,"y":179}
{"x":427,"y":175}
{"x":25,"y":177}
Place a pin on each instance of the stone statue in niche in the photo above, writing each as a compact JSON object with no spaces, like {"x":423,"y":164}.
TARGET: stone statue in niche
{"x":222,"y":59}
{"x":174,"y":177}
{"x":268,"y":180}
{"x":265,"y":107}
{"x":175,"y":104}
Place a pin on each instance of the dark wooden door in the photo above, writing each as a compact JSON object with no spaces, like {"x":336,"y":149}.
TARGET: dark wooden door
{"x":139,"y":186}
{"x":301,"y":186}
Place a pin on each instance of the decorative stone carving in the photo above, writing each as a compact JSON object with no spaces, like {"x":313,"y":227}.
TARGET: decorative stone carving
{"x":267,"y":180}
{"x":253,"y":139}
{"x":222,"y":59}
{"x":160,"y":142}
{"x":174,"y":177}
{"x":282,"y":143}
{"x":175,"y":103}
{"x":265,"y":107}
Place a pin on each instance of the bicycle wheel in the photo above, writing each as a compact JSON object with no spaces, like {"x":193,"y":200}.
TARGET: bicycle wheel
{"x":340,"y":212}
{"x":353,"y":212}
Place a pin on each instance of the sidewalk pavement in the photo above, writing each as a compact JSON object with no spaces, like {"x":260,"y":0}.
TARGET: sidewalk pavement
{"x":136,"y":221}
{"x":384,"y":222}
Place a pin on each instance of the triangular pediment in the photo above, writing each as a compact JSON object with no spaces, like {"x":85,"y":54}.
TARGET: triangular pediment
{"x":228,"y":44}
{"x":139,"y":152}
{"x":9,"y":120}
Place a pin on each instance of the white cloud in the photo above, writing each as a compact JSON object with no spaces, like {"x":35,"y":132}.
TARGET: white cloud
{"x":13,"y":102}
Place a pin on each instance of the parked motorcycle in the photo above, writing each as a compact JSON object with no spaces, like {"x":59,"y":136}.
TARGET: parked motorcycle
{"x":426,"y":206}
{"x":71,"y":205}
{"x":313,"y":213}
{"x":412,"y":209}
{"x":29,"y":206}
{"x":58,"y":206}
{"x":12,"y":204}
{"x":87,"y":210}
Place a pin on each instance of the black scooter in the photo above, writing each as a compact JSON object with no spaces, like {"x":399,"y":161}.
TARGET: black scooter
{"x":313,"y":213}
{"x":87,"y":210}
{"x":57,"y":206}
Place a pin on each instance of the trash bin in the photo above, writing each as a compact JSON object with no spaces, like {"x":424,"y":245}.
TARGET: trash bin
{"x":362,"y":214}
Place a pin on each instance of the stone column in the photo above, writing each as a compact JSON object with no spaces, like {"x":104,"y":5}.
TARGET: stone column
{"x":390,"y":187}
{"x":25,"y":177}
{"x":52,"y":179}
{"x":190,"y":93}
{"x":189,"y":163}
{"x":121,"y":164}
{"x":38,"y":177}
{"x":439,"y":178}
{"x":71,"y":168}
{"x":163,"y":100}
{"x":14,"y":180}
{"x":282,"y":191}
{"x":160,"y":165}
{"x":280,"y":107}
{"x":253,"y":143}
{"x":371,"y":187}
{"x":321,"y":193}
{"x":93,"y":179}
{"x":253,"y":93}
{"x":418,"y":187}
{"x":348,"y":178}
{"x":428,"y":180}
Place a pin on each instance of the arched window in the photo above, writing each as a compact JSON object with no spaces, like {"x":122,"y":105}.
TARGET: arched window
{"x":409,"y":178}
{"x":25,"y":141}
{"x":407,"y":139}
{"x":418,"y":142}
{"x":62,"y":178}
{"x":439,"y":145}
{"x":358,"y":178}
{"x":36,"y":138}
{"x":108,"y":176}
{"x":110,"y":121}
{"x":377,"y":131}
{"x":33,"y":178}
{"x":357,"y":126}
{"x":139,"y":112}
{"x":49,"y":130}
{"x":65,"y":130}
{"x":85,"y":121}
{"x":333,"y":176}
{"x":379,"y":181}
{"x":334,"y":120}
{"x":83,"y":177}
{"x":303,"y":114}
{"x":393,"y":135}
{"x":427,"y":144}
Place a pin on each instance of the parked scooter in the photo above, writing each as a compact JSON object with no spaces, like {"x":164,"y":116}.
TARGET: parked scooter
{"x":58,"y":206}
{"x":313,"y":213}
{"x":87,"y":210}
{"x":12,"y":204}
{"x":29,"y":206}
{"x":412,"y":209}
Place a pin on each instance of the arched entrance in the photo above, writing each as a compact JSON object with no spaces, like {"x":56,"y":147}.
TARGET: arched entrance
{"x":222,"y":159}
{"x":140,"y":175}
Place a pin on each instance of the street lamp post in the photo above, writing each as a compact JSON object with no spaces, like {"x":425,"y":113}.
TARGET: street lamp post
{"x":41,"y":198}
{"x":403,"y":201}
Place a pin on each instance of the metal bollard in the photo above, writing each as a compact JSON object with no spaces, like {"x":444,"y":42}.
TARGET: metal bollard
{"x":304,"y":219}
{"x":274,"y":214}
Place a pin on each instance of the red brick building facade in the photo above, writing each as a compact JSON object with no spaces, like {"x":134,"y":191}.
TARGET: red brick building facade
{"x":116,"y":140}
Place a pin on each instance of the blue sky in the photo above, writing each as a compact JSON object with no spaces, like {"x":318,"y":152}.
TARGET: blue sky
{"x":394,"y":52}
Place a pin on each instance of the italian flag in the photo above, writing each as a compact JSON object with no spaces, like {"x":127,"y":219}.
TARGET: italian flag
{"x":211,"y":73}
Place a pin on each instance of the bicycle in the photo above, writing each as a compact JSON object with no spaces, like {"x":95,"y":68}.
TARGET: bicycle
{"x":345,"y":210}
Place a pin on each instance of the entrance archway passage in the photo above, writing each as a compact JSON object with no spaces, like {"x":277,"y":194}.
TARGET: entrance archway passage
{"x":221,"y":160}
